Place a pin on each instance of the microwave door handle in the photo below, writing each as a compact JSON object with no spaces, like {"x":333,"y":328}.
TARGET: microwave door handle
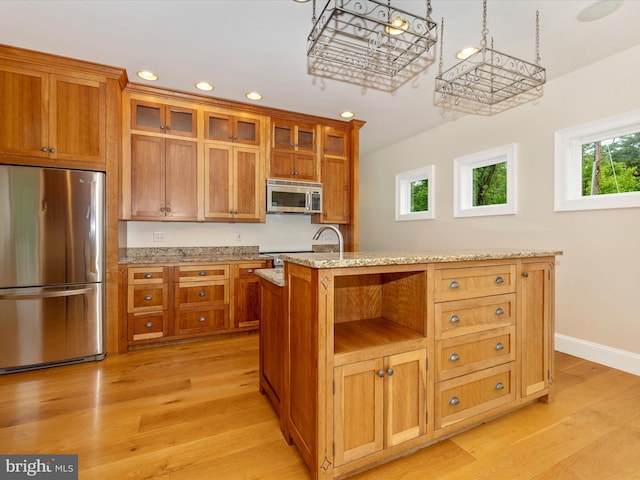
{"x":308,"y":202}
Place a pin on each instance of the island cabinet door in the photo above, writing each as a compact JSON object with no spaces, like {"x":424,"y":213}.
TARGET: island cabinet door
{"x":379,"y":403}
{"x":359,"y":420}
{"x":536,"y":298}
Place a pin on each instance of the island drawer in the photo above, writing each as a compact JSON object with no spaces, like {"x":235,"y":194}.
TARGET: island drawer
{"x":471,"y":282}
{"x":463,"y":397}
{"x":463,"y":317}
{"x":469,"y":353}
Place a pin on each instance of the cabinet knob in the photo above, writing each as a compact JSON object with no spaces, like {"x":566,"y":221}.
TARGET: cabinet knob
{"x":454,"y":401}
{"x":454,"y":284}
{"x":454,"y":357}
{"x":44,"y":149}
{"x":162,"y":127}
{"x":202,"y":273}
{"x":162,"y":209}
{"x":148,"y":297}
{"x":202,"y":319}
{"x":499,"y":346}
{"x":499,"y":280}
{"x":499,"y":311}
{"x":525,"y":274}
{"x":202,"y":294}
{"x":167,"y":209}
{"x":148,"y":275}
{"x":499,"y":386}
{"x":148,"y":324}
{"x":454,"y":319}
{"x":381,"y":373}
{"x":390,"y":371}
{"x":52,"y":150}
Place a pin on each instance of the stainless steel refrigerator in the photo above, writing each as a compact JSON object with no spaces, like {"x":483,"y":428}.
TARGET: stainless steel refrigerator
{"x":51,"y":267}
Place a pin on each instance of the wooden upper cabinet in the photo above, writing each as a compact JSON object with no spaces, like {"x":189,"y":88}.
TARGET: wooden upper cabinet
{"x":52,"y":116}
{"x":164,"y":118}
{"x":298,"y":137}
{"x":233,"y":184}
{"x":163,"y":178}
{"x":224,"y":127}
{"x":335,"y":173}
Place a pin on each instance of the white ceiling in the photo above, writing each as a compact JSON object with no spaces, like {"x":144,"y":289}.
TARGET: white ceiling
{"x":242,"y":45}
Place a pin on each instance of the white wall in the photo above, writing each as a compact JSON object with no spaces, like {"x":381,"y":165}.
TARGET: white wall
{"x":598,"y":277}
{"x":279,"y":233}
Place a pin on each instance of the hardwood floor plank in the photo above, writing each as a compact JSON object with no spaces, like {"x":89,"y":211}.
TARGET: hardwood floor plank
{"x":194,"y":412}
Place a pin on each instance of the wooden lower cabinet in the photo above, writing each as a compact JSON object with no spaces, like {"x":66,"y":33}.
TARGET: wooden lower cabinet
{"x":379,"y":403}
{"x":382,"y":360}
{"x":172,"y":302}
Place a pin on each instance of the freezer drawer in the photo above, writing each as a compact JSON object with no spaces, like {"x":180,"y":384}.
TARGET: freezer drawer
{"x":44,"y":326}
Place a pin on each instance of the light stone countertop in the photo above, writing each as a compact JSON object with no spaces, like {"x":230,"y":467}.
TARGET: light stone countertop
{"x":370,"y":259}
{"x":155,"y":255}
{"x":273,"y":275}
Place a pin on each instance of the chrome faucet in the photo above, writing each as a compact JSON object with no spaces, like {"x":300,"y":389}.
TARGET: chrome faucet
{"x":340,"y":239}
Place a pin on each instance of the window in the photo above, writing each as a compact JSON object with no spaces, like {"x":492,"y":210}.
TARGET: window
{"x":484,"y":183}
{"x":414,"y":194}
{"x":597,"y":165}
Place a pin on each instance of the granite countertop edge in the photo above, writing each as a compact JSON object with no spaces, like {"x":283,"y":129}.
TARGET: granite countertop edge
{"x":368,"y":259}
{"x":273,"y":275}
{"x":178,"y":255}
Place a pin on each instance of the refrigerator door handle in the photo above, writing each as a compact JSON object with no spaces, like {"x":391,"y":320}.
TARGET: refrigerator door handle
{"x":55,"y":293}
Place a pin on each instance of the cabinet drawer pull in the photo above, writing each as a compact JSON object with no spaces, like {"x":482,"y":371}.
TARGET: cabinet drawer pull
{"x":454,"y":357}
{"x":454,"y":319}
{"x":499,"y":280}
{"x":499,"y":386}
{"x":454,"y":284}
{"x":148,"y":297}
{"x":202,"y":273}
{"x":499,"y":311}
{"x":44,"y":149}
{"x":52,"y":150}
{"x":202,"y":294}
{"x":381,"y":373}
{"x":454,"y":401}
{"x":148,"y":324}
{"x":249,"y":270}
{"x":202,"y":319}
{"x":390,"y":371}
{"x":499,"y":346}
{"x":148,"y":275}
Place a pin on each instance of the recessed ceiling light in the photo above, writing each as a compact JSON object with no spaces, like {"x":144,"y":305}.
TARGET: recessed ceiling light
{"x":347,"y":114}
{"x":204,"y":86}
{"x":253,"y":96}
{"x":598,"y":10}
{"x":466,"y":52}
{"x":147,"y":75}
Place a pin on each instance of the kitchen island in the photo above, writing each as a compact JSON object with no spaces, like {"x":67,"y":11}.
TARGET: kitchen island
{"x":385,"y":353}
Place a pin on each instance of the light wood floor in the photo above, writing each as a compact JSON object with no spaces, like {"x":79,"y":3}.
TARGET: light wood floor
{"x":194,"y":412}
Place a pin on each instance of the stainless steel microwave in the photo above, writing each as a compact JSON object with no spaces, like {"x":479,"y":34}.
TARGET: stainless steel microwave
{"x":286,"y":196}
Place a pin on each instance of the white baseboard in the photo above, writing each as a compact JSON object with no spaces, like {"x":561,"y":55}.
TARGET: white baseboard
{"x":594,"y":352}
